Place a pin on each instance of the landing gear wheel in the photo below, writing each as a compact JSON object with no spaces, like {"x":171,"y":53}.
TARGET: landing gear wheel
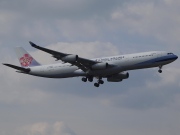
{"x":160,"y":71}
{"x":96,"y":84}
{"x":101,"y":81}
{"x":84,"y":79}
{"x":90,"y":79}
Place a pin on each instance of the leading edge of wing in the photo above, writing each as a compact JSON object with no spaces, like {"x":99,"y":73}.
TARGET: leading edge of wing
{"x":59,"y":55}
{"x":54,"y":53}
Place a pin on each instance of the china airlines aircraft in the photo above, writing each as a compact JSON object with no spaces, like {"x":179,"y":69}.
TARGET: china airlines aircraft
{"x":114,"y":68}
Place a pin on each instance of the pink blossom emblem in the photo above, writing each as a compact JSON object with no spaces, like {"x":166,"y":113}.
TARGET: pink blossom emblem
{"x":26,"y":60}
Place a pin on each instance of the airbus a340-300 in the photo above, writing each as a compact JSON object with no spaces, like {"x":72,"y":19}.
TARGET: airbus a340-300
{"x":114,"y":68}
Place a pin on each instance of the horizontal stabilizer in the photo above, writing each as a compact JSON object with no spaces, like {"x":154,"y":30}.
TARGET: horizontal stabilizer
{"x":26,"y":70}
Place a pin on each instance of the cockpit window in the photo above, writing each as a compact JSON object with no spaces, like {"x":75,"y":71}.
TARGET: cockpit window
{"x":169,"y":53}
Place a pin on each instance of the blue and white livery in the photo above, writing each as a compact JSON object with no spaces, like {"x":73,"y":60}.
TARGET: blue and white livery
{"x":114,"y":68}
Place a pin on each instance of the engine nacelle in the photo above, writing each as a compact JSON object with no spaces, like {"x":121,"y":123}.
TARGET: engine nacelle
{"x":118,"y":77}
{"x":70,"y":58}
{"x":99,"y":66}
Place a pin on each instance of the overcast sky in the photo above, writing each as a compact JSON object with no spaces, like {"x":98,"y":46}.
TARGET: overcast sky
{"x":147,"y":103}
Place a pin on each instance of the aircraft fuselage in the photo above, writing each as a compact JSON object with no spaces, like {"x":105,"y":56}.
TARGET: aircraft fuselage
{"x":121,"y":63}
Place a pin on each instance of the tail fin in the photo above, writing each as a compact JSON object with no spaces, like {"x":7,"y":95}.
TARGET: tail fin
{"x":25,"y":59}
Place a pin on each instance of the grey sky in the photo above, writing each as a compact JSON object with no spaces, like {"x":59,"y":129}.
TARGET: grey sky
{"x":147,"y":103}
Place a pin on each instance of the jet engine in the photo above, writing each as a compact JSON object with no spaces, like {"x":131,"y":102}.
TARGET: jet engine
{"x":70,"y":58}
{"x":118,"y":77}
{"x":99,"y":66}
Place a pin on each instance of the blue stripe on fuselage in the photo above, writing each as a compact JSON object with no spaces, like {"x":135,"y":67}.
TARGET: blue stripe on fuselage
{"x":159,"y":59}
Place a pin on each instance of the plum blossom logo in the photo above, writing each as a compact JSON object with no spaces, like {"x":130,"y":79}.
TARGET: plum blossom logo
{"x":26,"y":60}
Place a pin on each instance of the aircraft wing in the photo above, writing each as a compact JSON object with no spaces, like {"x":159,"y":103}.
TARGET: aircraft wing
{"x":82,"y":63}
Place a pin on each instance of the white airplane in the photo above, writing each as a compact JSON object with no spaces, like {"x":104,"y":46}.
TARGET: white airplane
{"x":113,"y":68}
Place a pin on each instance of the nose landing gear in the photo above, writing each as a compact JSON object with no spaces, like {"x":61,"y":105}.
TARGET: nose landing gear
{"x":160,"y":69}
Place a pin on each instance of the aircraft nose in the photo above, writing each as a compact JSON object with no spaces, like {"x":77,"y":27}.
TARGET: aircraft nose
{"x":175,"y":57}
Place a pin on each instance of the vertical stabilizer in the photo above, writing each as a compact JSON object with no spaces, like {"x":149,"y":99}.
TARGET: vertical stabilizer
{"x":25,"y":59}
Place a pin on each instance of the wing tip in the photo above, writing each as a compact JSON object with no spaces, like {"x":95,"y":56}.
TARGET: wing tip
{"x":5,"y":64}
{"x":32,"y":44}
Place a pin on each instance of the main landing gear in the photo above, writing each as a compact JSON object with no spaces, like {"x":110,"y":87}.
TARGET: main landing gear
{"x":100,"y":81}
{"x":90,"y":79}
{"x":84,"y":79}
{"x":160,"y":69}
